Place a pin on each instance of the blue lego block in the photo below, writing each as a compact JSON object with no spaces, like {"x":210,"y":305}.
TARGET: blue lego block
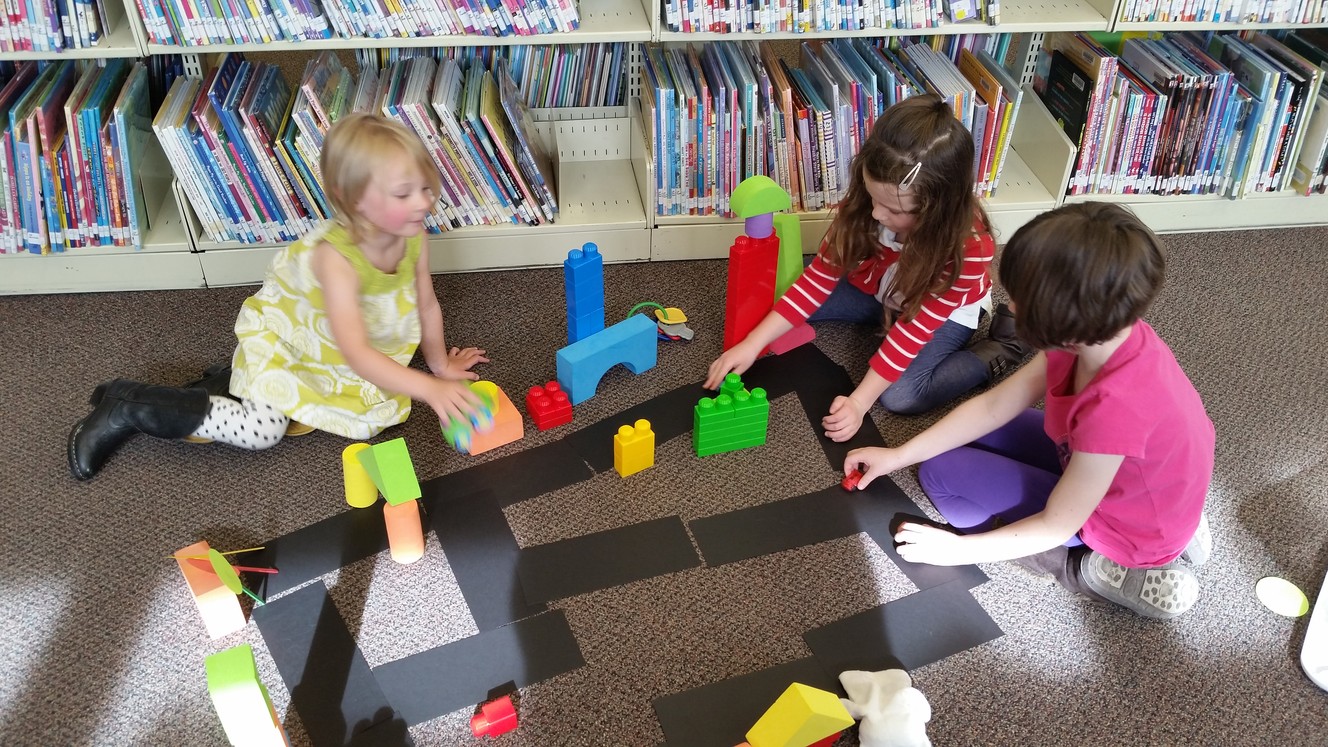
{"x":583,"y":283}
{"x":632,"y":342}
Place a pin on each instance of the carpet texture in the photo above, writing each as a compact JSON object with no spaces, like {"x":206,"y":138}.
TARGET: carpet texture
{"x":103,"y":645}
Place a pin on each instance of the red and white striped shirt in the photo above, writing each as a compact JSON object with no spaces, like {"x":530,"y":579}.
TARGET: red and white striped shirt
{"x":905,"y":339}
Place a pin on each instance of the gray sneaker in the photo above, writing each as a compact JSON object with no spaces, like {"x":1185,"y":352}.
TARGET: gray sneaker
{"x":1201,"y":544}
{"x":1161,"y":593}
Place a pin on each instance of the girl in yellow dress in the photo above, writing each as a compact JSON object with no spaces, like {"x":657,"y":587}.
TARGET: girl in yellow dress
{"x":326,"y":342}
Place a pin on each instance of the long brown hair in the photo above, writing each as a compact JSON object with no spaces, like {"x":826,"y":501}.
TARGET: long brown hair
{"x":918,"y":130}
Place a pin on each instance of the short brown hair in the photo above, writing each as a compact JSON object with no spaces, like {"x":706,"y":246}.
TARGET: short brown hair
{"x":355,"y":146}
{"x":1081,"y":273}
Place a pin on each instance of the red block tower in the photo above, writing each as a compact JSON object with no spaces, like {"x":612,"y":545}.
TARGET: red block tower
{"x":751,"y":285}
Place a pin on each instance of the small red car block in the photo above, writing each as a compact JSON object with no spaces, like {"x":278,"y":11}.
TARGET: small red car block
{"x":496,"y":717}
{"x":548,"y":406}
{"x":851,"y":479}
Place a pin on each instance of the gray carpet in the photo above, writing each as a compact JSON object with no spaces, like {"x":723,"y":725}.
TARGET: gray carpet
{"x":102,"y":645}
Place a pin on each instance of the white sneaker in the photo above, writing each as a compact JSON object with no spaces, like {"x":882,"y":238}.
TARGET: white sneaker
{"x":1201,"y":544}
{"x":1161,"y":593}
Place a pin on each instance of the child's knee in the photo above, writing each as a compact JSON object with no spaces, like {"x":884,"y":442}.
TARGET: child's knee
{"x":901,"y":400}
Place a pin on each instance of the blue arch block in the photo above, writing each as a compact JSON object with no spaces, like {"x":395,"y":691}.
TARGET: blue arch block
{"x":632,"y":342}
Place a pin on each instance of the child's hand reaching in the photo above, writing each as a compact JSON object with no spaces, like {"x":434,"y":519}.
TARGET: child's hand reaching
{"x":458,"y":364}
{"x":453,"y":400}
{"x":736,"y":359}
{"x":921,"y":543}
{"x":844,"y":420}
{"x":873,"y":462}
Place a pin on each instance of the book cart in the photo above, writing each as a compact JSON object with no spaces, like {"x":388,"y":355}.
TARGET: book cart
{"x":604,"y":168}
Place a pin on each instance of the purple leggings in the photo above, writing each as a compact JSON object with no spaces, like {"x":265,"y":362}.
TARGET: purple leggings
{"x":1005,"y":476}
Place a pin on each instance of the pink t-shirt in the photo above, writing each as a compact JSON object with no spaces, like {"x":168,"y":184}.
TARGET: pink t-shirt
{"x":1142,"y":406}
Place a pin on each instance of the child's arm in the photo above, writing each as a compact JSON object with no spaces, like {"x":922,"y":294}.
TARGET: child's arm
{"x":969,"y":421}
{"x":341,"y":287}
{"x":740,"y":357}
{"x":445,"y":364}
{"x":1079,"y":491}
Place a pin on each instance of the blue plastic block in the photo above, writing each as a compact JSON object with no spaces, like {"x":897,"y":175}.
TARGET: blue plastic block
{"x":632,"y":342}
{"x":583,"y":282}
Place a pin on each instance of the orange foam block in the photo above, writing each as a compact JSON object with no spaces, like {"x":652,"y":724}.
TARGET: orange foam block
{"x":405,"y":533}
{"x":217,"y":605}
{"x":507,"y":427}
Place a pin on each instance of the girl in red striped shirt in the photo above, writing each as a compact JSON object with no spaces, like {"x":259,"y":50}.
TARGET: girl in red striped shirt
{"x":909,"y":249}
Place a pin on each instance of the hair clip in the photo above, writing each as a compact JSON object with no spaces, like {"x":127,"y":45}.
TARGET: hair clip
{"x":910,"y":177}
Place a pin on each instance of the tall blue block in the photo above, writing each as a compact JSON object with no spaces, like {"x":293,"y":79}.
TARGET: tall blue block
{"x":632,"y":342}
{"x":583,"y":282}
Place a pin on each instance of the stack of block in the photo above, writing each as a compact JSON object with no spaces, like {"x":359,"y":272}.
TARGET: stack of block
{"x":583,"y":280}
{"x":392,"y":471}
{"x":736,"y":419}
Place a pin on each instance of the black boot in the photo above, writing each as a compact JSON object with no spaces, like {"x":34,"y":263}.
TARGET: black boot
{"x":123,"y":408}
{"x":216,"y":380}
{"x":1002,"y":351}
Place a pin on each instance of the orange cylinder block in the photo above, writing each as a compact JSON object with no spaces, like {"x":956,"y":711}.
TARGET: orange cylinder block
{"x":405,"y":534}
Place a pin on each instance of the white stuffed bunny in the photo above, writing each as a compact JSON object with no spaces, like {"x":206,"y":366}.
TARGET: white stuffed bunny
{"x":892,"y":712}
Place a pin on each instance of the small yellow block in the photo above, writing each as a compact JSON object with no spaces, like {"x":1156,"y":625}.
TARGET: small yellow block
{"x":801,"y":716}
{"x":634,"y":448}
{"x":360,"y":489}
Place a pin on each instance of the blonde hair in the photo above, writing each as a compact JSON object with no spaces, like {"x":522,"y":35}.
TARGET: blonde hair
{"x":355,"y":146}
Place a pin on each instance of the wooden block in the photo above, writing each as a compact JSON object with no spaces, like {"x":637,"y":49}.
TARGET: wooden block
{"x":217,"y":605}
{"x":507,"y":427}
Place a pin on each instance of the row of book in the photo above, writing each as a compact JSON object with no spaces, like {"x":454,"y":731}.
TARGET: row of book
{"x":245,"y":145}
{"x":803,"y":16}
{"x":731,"y":110}
{"x":74,"y":135}
{"x":1225,"y":11}
{"x":547,"y":76}
{"x":50,"y":25}
{"x":1225,"y":114}
{"x":185,"y":22}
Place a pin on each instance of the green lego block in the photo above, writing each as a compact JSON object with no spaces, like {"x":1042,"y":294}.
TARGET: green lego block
{"x":736,"y":419}
{"x":391,"y":470}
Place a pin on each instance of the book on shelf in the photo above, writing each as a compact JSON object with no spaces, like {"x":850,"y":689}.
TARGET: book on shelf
{"x":532,"y":158}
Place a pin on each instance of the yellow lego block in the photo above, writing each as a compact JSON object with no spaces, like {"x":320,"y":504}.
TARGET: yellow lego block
{"x":802,"y":716}
{"x":634,"y":448}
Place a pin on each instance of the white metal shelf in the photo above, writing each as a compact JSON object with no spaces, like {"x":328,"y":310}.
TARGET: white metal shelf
{"x":120,"y":40}
{"x":601,"y":21}
{"x":1192,"y":213}
{"x":1205,"y":26}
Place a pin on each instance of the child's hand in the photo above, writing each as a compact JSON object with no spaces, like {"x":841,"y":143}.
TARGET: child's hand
{"x":921,"y":543}
{"x":454,"y":400}
{"x":458,"y":364}
{"x":736,"y":359}
{"x":873,"y":462}
{"x":844,"y":420}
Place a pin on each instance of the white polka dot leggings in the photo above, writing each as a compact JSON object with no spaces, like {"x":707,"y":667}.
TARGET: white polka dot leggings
{"x":246,"y":424}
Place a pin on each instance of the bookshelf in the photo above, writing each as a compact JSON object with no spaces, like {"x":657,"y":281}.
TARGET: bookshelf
{"x":604,"y":167}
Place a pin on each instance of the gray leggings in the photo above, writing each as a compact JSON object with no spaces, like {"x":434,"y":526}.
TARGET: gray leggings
{"x":246,"y":424}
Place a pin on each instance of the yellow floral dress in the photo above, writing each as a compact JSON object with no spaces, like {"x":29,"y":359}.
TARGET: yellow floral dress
{"x":286,"y":356}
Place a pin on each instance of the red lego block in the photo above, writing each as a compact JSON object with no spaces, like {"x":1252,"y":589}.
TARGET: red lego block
{"x":548,"y":406}
{"x":496,"y":717}
{"x":851,"y":479}
{"x":751,"y":286}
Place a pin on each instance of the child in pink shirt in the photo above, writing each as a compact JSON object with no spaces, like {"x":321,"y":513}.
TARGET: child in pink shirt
{"x":1105,"y":488}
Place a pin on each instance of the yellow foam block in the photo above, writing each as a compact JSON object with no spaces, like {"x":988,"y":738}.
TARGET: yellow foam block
{"x":800,"y":717}
{"x":360,"y":489}
{"x":217,"y":605}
